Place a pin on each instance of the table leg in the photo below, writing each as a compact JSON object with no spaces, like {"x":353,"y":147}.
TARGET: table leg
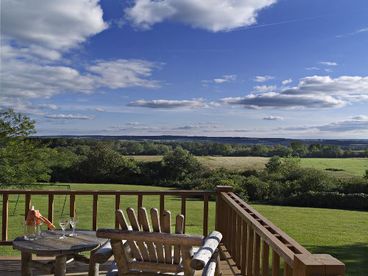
{"x":26,"y":264}
{"x":60,"y":265}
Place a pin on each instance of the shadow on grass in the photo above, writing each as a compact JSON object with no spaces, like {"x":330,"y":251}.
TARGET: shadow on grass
{"x":355,"y":256}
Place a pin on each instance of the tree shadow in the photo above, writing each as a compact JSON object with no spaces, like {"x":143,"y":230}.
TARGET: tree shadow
{"x":355,"y":256}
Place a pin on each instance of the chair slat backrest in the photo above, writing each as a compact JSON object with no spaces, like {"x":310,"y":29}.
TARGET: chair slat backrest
{"x":155,"y":254}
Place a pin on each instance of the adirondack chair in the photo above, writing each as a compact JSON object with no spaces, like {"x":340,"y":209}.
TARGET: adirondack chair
{"x":156,"y":250}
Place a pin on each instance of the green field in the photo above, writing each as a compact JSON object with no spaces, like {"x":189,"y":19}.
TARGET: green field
{"x":340,"y":233}
{"x":340,"y":167}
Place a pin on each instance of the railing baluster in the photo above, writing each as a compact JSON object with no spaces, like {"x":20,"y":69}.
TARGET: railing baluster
{"x":287,"y":269}
{"x":205,"y":215}
{"x":244,"y":247}
{"x":250,"y":250}
{"x":257,"y":251}
{"x":237,"y":239}
{"x":4,"y":233}
{"x":94,"y":214}
{"x":184,"y":210}
{"x":265,"y":259}
{"x":50,"y":211}
{"x":140,"y":204}
{"x":275,"y":264}
{"x":162,"y":207}
{"x":27,"y":205}
{"x":232,"y":237}
{"x":117,"y":206}
{"x":72,"y":205}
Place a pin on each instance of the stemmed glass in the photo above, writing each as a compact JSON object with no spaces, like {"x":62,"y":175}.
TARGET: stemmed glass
{"x":73,"y":223}
{"x":63,"y":222}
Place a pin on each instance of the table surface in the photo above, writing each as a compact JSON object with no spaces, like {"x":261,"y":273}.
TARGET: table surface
{"x":50,"y":244}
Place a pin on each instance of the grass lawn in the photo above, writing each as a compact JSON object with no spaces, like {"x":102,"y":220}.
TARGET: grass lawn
{"x":340,"y":167}
{"x":340,"y":233}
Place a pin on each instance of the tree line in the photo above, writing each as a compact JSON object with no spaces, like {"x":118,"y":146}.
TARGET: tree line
{"x":296,"y":148}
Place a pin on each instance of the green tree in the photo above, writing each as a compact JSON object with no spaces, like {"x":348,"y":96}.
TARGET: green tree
{"x":22,"y":161}
{"x":179,"y":164}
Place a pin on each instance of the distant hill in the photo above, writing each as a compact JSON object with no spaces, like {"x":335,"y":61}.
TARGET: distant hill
{"x":351,"y":143}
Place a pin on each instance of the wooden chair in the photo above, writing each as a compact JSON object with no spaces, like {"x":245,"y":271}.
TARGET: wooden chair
{"x":156,"y":250}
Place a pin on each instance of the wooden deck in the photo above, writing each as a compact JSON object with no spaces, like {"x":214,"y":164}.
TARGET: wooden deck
{"x":10,"y":266}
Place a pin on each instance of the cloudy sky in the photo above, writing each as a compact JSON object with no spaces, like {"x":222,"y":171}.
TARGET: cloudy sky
{"x":256,"y":68}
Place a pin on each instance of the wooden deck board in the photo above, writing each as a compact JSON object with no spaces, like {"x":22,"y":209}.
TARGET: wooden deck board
{"x":11,"y":266}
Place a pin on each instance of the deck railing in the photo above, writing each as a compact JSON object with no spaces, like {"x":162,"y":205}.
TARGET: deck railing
{"x":182,"y":194}
{"x":249,"y":238}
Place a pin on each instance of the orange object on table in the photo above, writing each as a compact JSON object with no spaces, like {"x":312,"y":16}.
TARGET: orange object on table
{"x":35,"y":217}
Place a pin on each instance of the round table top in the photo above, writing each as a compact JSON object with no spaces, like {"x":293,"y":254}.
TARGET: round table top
{"x":49,"y":243}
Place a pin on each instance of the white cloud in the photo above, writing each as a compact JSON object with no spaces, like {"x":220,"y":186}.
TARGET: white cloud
{"x":328,"y":63}
{"x":264,"y":88}
{"x":55,"y":25}
{"x":285,"y":82}
{"x":311,"y":92}
{"x":273,"y":118}
{"x":212,"y":15}
{"x":68,"y":117}
{"x":224,"y":78}
{"x":312,"y":68}
{"x":358,"y":31}
{"x":169,"y":104}
{"x":100,"y":109}
{"x":263,"y":78}
{"x":355,"y":124}
{"x":29,"y":80}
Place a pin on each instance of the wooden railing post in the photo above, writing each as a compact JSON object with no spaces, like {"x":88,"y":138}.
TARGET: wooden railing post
{"x":4,"y":234}
{"x":219,"y":205}
{"x":317,"y":265}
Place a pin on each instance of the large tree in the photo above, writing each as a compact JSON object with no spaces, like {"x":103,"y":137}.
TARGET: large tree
{"x":22,"y":161}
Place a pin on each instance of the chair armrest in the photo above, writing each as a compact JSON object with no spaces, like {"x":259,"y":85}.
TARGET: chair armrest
{"x":206,"y":251}
{"x":212,"y":268}
{"x":102,"y":254}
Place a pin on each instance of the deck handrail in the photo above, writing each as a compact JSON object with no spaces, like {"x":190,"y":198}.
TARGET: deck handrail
{"x":248,"y":237}
{"x":183,"y":194}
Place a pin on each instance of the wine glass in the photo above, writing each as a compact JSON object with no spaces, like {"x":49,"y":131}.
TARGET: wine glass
{"x":73,"y":223}
{"x":63,"y":222}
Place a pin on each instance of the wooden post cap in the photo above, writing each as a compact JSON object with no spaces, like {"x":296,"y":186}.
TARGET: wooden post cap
{"x":225,"y":189}
{"x":317,"y":265}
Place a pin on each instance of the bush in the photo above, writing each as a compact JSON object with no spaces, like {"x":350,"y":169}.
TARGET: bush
{"x":255,"y":188}
{"x":328,"y":200}
{"x":353,"y":185}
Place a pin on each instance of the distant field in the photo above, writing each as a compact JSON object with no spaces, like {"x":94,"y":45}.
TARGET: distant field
{"x":341,"y":167}
{"x":337,"y":232}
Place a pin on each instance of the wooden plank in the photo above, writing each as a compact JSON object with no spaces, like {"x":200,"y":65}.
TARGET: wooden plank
{"x":147,"y":228}
{"x":155,"y":217}
{"x":72,"y":205}
{"x":250,"y":250}
{"x":5,"y":216}
{"x":135,"y":225}
{"x":27,"y":205}
{"x":50,"y":209}
{"x":205,"y":215}
{"x":179,"y":229}
{"x":257,"y":252}
{"x":119,"y":256}
{"x":265,"y":259}
{"x":275,"y":263}
{"x":117,"y":207}
{"x":165,"y":227}
{"x":243,"y":244}
{"x":187,"y":256}
{"x":162,"y":207}
{"x":183,"y":210}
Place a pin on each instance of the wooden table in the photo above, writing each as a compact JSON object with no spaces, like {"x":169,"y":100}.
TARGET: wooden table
{"x":62,"y":249}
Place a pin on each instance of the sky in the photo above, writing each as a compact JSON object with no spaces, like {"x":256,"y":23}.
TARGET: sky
{"x":245,"y":68}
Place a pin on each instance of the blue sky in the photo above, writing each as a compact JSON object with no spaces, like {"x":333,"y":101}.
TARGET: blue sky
{"x":260,"y":68}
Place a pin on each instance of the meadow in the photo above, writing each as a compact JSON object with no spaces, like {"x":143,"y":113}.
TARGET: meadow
{"x":340,"y":233}
{"x":340,"y":167}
